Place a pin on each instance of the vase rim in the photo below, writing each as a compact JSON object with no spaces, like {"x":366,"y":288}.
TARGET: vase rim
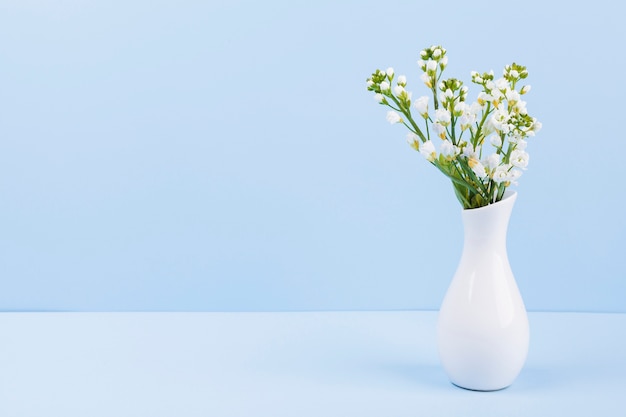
{"x":508,"y":195}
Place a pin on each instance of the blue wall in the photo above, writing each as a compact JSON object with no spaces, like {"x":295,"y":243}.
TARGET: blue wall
{"x":227,"y":156}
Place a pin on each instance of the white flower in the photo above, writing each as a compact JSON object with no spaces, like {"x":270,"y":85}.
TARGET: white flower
{"x":496,"y":96}
{"x":501,"y":174}
{"x":428,"y":151}
{"x":460,"y":108}
{"x":512,"y":96}
{"x":443,"y":116}
{"x":514,"y":74}
{"x":514,"y":174}
{"x":443,"y":62}
{"x":469,"y":152}
{"x":398,"y":90}
{"x":468,"y":113}
{"x":492,"y":161}
{"x":439,"y":130}
{"x":393,"y":117}
{"x":502,"y":84}
{"x":448,"y":150}
{"x":536,"y":126}
{"x":384,"y":86}
{"x":525,"y":89}
{"x":413,"y":140}
{"x":477,"y":167}
{"x":499,"y":120}
{"x":483,"y":98}
{"x":379,"y":97}
{"x":370,"y":83}
{"x":402,"y":80}
{"x":520,"y":107}
{"x":421,"y":104}
{"x":495,"y":140}
{"x":519,"y":158}
{"x":521,"y":144}
{"x":431,"y":65}
{"x":389,"y":72}
{"x":427,"y":80}
{"x":515,"y":137}
{"x":466,"y":120}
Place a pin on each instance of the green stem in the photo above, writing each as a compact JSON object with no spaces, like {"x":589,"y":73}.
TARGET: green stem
{"x":407,"y":113}
{"x":452,"y":122}
{"x":456,"y":180}
{"x":463,"y":199}
{"x":479,"y":126}
{"x":465,"y":165}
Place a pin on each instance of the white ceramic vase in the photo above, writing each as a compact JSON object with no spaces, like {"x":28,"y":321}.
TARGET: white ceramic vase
{"x":482,"y":330}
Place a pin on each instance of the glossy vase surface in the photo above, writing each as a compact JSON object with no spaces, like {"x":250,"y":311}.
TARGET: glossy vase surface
{"x":482,"y":328}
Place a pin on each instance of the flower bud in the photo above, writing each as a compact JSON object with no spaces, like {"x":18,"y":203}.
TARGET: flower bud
{"x":495,"y":140}
{"x":443,"y":117}
{"x":431,"y":65}
{"x":393,"y":117}
{"x":413,"y":140}
{"x":448,"y":150}
{"x":459,"y":108}
{"x":428,"y":151}
{"x":421,"y":105}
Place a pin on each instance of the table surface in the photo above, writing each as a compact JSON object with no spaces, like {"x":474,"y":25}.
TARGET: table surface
{"x":293,"y":364}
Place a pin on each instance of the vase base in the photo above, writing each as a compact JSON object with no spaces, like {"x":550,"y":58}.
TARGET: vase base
{"x":479,"y":390}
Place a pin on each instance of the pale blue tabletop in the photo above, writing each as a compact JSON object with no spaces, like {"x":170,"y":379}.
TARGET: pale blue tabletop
{"x":293,"y":364}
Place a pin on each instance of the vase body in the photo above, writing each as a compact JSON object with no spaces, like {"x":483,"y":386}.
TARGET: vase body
{"x":482,"y":328}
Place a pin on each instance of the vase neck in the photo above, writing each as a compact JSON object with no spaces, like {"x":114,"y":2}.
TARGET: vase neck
{"x":488,"y":224}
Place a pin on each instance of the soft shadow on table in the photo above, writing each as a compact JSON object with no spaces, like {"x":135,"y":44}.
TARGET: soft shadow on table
{"x":531,"y":379}
{"x":565,"y":378}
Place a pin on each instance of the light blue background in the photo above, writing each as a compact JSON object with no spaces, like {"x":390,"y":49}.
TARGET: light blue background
{"x":226,"y":155}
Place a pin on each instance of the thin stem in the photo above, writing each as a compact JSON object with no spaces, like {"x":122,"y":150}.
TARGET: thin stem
{"x":407,"y":113}
{"x":456,"y":180}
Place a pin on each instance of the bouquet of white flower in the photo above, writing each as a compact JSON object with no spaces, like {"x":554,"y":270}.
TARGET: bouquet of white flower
{"x":498,"y":116}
